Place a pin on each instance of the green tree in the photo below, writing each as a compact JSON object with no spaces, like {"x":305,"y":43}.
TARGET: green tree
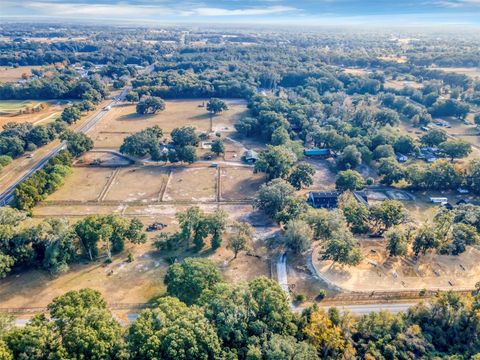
{"x":187,"y":154}
{"x":218,"y":147}
{"x":216,"y":106}
{"x":71,"y":114}
{"x":350,"y":158}
{"x":397,"y":242}
{"x":298,"y":236}
{"x":6,"y":264}
{"x":349,"y":180}
{"x":425,"y":239}
{"x":342,"y":248}
{"x":301,"y":175}
{"x":173,"y":331}
{"x":150,"y":105}
{"x":241,"y":234}
{"x":356,"y":213}
{"x":190,"y":278}
{"x":274,"y":196}
{"x":387,"y":214}
{"x":455,"y":149}
{"x":217,"y":223}
{"x":184,"y":136}
{"x":434,"y":137}
{"x":77,"y":143}
{"x":275,"y":161}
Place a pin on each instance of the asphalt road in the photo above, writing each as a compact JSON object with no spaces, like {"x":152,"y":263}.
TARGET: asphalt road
{"x":363,"y":309}
{"x":7,"y":196}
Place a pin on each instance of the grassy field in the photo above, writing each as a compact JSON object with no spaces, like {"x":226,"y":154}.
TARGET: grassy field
{"x":123,"y":120}
{"x":473,"y":72}
{"x":8,"y":74}
{"x":21,"y":111}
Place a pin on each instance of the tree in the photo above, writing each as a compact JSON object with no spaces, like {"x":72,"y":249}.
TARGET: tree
{"x":6,"y":264}
{"x":187,"y":154}
{"x":150,"y":105}
{"x":280,"y":136}
{"x":425,"y":239}
{"x":240,"y":237}
{"x":217,"y":223}
{"x":218,"y":147}
{"x":472,"y":176}
{"x":142,"y":143}
{"x":132,"y":96}
{"x":275,"y":161}
{"x":173,"y":331}
{"x":298,"y":236}
{"x":476,"y":119}
{"x":325,"y":335}
{"x":386,"y":117}
{"x":274,"y":196}
{"x":455,"y":149}
{"x":323,"y":222}
{"x":184,"y":136}
{"x":77,"y":143}
{"x":281,"y":347}
{"x":349,"y":180}
{"x":71,"y":114}
{"x":434,"y":137}
{"x":190,"y":278}
{"x":216,"y":106}
{"x":387,"y":214}
{"x":350,"y":158}
{"x":342,"y":247}
{"x":390,"y":171}
{"x":356,"y":213}
{"x":301,"y":175}
{"x":383,"y":151}
{"x":397,"y":242}
{"x":405,"y":144}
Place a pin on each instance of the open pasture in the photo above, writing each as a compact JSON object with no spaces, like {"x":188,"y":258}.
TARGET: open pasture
{"x":192,"y":184}
{"x":11,"y":74}
{"x":122,"y":121}
{"x":239,"y":183}
{"x":137,"y":184}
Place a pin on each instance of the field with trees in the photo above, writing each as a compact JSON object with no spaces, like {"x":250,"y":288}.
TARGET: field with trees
{"x":221,"y":194}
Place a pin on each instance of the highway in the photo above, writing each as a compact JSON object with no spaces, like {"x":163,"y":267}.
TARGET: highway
{"x":7,"y":196}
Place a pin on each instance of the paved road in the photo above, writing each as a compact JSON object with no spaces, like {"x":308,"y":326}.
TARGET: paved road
{"x":7,"y":196}
{"x":363,"y":309}
{"x":282,"y":273}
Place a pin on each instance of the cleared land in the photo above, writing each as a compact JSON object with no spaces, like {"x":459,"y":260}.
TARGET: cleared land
{"x":123,"y":120}
{"x":192,"y":184}
{"x":378,"y":271}
{"x":473,"y":72}
{"x":9,"y":112}
{"x":239,"y":183}
{"x":85,"y":184}
{"x":138,"y":184}
{"x":9,"y":74}
{"x":400,"y":84}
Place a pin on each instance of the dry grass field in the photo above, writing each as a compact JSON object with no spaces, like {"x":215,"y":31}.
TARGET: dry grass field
{"x":137,"y":184}
{"x":9,"y":74}
{"x":84,"y":184}
{"x":379,"y":272}
{"x":239,"y":183}
{"x":192,"y":184}
{"x":123,"y":120}
{"x":400,"y":84}
{"x":49,"y":113}
{"x":473,"y":72}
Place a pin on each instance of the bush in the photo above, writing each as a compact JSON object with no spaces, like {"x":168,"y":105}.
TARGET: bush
{"x":300,"y":297}
{"x":321,"y":295}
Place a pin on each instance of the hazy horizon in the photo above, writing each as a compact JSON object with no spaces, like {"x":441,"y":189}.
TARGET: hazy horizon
{"x":265,"y":12}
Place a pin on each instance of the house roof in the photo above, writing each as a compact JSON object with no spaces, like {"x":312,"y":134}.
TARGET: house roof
{"x":316,"y":151}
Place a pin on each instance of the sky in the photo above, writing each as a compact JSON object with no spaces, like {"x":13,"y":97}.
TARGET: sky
{"x":298,"y":12}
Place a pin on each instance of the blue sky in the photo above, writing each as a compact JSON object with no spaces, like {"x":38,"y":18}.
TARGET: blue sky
{"x":307,"y":12}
